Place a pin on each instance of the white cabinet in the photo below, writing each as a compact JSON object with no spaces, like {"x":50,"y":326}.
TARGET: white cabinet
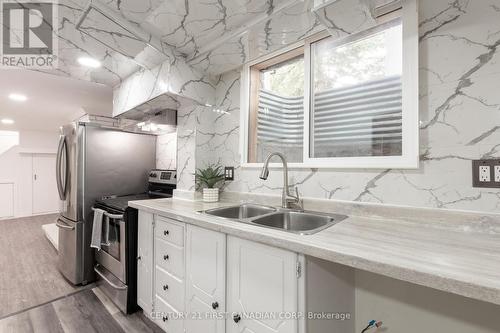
{"x":261,"y":281}
{"x":145,"y":262}
{"x":205,"y":280}
{"x":191,"y":277}
{"x":170,"y":268}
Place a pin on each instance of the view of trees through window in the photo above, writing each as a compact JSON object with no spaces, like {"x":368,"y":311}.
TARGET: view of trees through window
{"x":285,"y":79}
{"x":374,"y":57}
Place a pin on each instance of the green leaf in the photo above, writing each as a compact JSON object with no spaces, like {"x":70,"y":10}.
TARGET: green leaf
{"x":210,"y":176}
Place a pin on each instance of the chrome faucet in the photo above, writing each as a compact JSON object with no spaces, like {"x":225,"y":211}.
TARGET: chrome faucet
{"x":287,"y":200}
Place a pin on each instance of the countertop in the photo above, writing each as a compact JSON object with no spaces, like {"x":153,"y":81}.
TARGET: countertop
{"x":448,"y":256}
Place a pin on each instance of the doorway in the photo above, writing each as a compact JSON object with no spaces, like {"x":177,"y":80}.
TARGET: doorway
{"x":45,"y":197}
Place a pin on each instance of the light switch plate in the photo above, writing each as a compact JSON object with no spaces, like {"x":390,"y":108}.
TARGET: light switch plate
{"x":486,"y":173}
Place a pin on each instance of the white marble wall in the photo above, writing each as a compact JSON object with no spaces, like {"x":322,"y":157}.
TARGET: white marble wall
{"x":173,"y":76}
{"x":459,"y":111}
{"x":166,"y":151}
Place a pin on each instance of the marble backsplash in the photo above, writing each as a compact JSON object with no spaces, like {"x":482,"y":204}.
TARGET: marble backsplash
{"x":166,"y":151}
{"x":459,"y":121}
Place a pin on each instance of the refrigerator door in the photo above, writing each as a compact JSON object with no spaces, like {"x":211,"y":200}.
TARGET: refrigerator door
{"x":67,"y":172}
{"x":70,"y":258}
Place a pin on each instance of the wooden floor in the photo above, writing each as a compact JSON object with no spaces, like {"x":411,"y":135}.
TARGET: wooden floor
{"x":28,"y":265}
{"x":86,"y":311}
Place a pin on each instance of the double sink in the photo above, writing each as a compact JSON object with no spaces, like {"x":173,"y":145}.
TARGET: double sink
{"x":295,"y":221}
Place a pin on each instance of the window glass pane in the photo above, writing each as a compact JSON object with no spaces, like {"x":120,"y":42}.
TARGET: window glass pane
{"x":277,"y":111}
{"x":356,"y":95}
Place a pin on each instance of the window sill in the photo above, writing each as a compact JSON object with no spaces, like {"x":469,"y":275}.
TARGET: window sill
{"x":336,"y":166}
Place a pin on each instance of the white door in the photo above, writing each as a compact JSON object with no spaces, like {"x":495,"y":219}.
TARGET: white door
{"x":262,"y":288}
{"x":206,"y":280}
{"x":45,"y":197}
{"x":145,"y":262}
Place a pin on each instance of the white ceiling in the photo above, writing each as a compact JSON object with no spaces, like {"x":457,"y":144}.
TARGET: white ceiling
{"x":52,"y":100}
{"x":214,"y":35}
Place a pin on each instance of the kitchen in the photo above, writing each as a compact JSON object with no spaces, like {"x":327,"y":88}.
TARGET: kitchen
{"x":230,"y":166}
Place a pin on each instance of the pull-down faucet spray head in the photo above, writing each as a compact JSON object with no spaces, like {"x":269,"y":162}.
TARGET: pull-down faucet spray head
{"x":264,"y":173}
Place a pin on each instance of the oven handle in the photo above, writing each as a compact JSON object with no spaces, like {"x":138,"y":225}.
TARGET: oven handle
{"x":107,"y":280}
{"x":112,"y":216}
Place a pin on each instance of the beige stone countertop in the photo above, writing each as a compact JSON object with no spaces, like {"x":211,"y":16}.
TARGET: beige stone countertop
{"x":450,"y":256}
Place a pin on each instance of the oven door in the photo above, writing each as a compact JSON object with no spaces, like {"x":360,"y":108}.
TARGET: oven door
{"x":112,"y":254}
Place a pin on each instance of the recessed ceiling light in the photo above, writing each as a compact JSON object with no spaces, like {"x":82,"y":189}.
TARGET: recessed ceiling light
{"x":18,"y":97}
{"x":89,"y":62}
{"x":6,"y":121}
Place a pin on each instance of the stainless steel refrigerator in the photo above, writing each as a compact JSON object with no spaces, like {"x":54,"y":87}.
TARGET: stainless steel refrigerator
{"x":94,"y":162}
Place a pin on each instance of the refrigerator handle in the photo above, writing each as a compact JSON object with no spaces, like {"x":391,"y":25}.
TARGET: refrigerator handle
{"x":61,"y":186}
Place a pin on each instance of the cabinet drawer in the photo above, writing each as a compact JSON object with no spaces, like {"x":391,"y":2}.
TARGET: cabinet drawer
{"x":170,"y":289}
{"x":169,"y":257}
{"x":170,"y":231}
{"x":168,"y":319}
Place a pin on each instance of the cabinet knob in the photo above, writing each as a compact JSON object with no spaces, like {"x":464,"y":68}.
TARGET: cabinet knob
{"x":236,"y":318}
{"x":166,"y":257}
{"x":165,"y":287}
{"x":139,"y":257}
{"x":165,"y":318}
{"x":215,"y":305}
{"x":166,"y":232}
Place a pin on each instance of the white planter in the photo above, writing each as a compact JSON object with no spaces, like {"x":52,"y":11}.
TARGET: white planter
{"x":210,"y":194}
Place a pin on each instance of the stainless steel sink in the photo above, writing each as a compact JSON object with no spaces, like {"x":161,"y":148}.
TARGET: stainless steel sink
{"x":298,"y":222}
{"x":239,"y":212}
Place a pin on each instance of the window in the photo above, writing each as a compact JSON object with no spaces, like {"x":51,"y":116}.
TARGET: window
{"x":356,"y":95}
{"x":326,"y":102}
{"x":277,"y":108}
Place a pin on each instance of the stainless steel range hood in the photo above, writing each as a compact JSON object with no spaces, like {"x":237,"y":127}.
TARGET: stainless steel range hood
{"x":158,"y":115}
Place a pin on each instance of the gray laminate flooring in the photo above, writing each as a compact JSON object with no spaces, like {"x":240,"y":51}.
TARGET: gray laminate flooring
{"x":85,"y":311}
{"x":28,"y":265}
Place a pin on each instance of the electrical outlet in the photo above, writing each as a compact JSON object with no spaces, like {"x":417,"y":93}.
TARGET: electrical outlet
{"x":497,"y":173}
{"x":484,"y":173}
{"x":229,"y":173}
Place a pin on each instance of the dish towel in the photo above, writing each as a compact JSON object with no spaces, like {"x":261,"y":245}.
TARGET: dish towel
{"x":95,"y":242}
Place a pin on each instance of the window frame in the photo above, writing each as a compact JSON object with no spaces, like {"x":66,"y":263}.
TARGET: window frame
{"x":410,"y":103}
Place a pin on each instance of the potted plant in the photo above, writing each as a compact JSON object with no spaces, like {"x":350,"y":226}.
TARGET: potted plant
{"x":207,"y":179}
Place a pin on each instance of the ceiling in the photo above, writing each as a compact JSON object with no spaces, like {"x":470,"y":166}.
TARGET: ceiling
{"x":52,"y":100}
{"x":213,"y":35}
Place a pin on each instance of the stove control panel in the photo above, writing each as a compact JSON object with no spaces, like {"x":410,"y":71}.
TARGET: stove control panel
{"x":163,"y":176}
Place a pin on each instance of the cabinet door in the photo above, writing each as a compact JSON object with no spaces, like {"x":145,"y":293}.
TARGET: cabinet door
{"x":261,"y":283}
{"x":145,"y":262}
{"x":206,"y":280}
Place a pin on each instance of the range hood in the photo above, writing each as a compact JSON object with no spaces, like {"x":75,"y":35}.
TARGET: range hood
{"x":157,"y":116}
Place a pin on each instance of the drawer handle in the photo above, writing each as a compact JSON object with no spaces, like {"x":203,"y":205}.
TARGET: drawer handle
{"x":166,"y":232}
{"x":165,"y":318}
{"x":215,"y":305}
{"x":165,"y":287}
{"x":236,"y":318}
{"x":166,"y":257}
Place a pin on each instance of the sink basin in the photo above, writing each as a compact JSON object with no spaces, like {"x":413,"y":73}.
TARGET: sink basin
{"x":240,"y":212}
{"x":298,"y":222}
